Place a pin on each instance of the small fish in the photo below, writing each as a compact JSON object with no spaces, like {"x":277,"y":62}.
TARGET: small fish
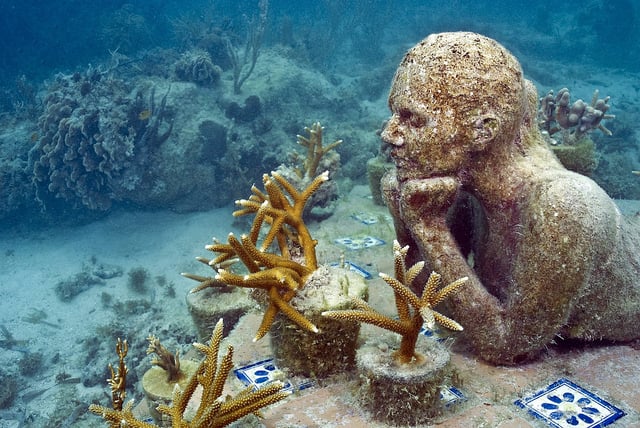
{"x":144,"y":114}
{"x":35,"y":137}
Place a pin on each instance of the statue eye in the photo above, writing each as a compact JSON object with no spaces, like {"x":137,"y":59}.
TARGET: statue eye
{"x":410,"y":118}
{"x":404,"y":115}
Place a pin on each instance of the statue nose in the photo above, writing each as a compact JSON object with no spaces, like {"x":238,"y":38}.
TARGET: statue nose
{"x":391,"y":133}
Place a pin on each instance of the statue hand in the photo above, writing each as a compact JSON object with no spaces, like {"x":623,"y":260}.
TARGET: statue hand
{"x":428,"y":197}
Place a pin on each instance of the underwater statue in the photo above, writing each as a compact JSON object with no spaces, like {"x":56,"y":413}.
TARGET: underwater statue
{"x":477,"y":191}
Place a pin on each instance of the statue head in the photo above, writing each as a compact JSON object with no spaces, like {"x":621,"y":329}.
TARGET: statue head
{"x":453,"y":95}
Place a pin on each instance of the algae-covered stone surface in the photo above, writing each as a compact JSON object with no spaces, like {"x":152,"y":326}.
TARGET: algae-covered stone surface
{"x":546,"y":243}
{"x":332,"y":350}
{"x":402,"y":394}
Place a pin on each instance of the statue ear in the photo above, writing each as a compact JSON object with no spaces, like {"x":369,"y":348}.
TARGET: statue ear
{"x":485,"y":130}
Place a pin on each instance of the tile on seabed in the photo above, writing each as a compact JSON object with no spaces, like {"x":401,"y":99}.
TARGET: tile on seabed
{"x":450,"y":395}
{"x":262,"y":372}
{"x":364,"y":218}
{"x":564,"y":404}
{"x":359,"y":243}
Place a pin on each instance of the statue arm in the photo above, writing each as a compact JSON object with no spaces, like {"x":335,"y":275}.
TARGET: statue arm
{"x":547,"y":273}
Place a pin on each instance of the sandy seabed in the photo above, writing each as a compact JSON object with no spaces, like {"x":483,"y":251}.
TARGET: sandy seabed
{"x":163,"y":243}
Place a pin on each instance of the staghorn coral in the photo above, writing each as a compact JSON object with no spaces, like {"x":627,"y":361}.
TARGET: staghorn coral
{"x":213,"y":410}
{"x":403,"y":387}
{"x":281,"y":268}
{"x":556,"y":113}
{"x":413,"y":311}
{"x":315,"y":150}
{"x":96,"y":140}
{"x":167,"y":361}
{"x":118,"y":380}
{"x":279,"y":275}
{"x":304,"y":168}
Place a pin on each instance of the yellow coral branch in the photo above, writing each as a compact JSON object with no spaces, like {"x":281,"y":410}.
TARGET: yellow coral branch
{"x":267,"y":320}
{"x":315,"y":149}
{"x":370,"y":317}
{"x":280,"y":207}
{"x":213,"y":410}
{"x":413,"y":311}
{"x":269,"y":394}
{"x":288,"y":310}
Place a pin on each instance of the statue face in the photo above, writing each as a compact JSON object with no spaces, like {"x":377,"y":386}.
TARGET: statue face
{"x":426,"y":139}
{"x":454,"y":95}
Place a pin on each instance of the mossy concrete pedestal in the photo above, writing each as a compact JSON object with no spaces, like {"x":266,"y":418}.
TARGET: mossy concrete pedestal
{"x":402,"y":394}
{"x":580,"y":157}
{"x":332,"y":350}
{"x":209,"y":305}
{"x":158,"y":390}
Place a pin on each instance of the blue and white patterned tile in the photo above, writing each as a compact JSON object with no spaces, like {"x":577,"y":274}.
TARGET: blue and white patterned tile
{"x":450,"y":395}
{"x":354,"y":268}
{"x":434,"y":333}
{"x":364,"y":218}
{"x":265,"y":371}
{"x":564,"y":404}
{"x":359,"y":243}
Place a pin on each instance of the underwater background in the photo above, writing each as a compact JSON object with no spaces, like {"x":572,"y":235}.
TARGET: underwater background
{"x":128,"y":129}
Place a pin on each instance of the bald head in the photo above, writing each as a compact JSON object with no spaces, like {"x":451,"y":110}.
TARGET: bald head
{"x":460,"y":91}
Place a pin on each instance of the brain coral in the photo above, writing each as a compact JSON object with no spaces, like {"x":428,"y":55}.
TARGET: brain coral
{"x":196,"y":66}
{"x":95,"y":140}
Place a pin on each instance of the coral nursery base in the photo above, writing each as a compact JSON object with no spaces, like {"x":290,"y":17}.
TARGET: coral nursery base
{"x":333,"y":349}
{"x":405,"y":394}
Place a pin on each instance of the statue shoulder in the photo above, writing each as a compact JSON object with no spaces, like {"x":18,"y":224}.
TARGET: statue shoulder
{"x":575,"y":204}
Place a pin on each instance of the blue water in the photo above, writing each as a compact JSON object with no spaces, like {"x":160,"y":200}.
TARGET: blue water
{"x":37,"y":39}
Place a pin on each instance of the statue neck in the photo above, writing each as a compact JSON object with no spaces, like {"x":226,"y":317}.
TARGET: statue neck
{"x":504,"y":175}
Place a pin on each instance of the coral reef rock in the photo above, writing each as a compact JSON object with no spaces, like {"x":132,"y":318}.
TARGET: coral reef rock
{"x":196,"y":66}
{"x":96,"y":140}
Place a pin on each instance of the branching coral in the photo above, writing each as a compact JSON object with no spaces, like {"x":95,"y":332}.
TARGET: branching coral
{"x":315,"y":150}
{"x":118,"y":384}
{"x":169,"y":362}
{"x":304,"y":167}
{"x":213,"y":410}
{"x":280,"y":274}
{"x":413,"y":311}
{"x":556,"y":113}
